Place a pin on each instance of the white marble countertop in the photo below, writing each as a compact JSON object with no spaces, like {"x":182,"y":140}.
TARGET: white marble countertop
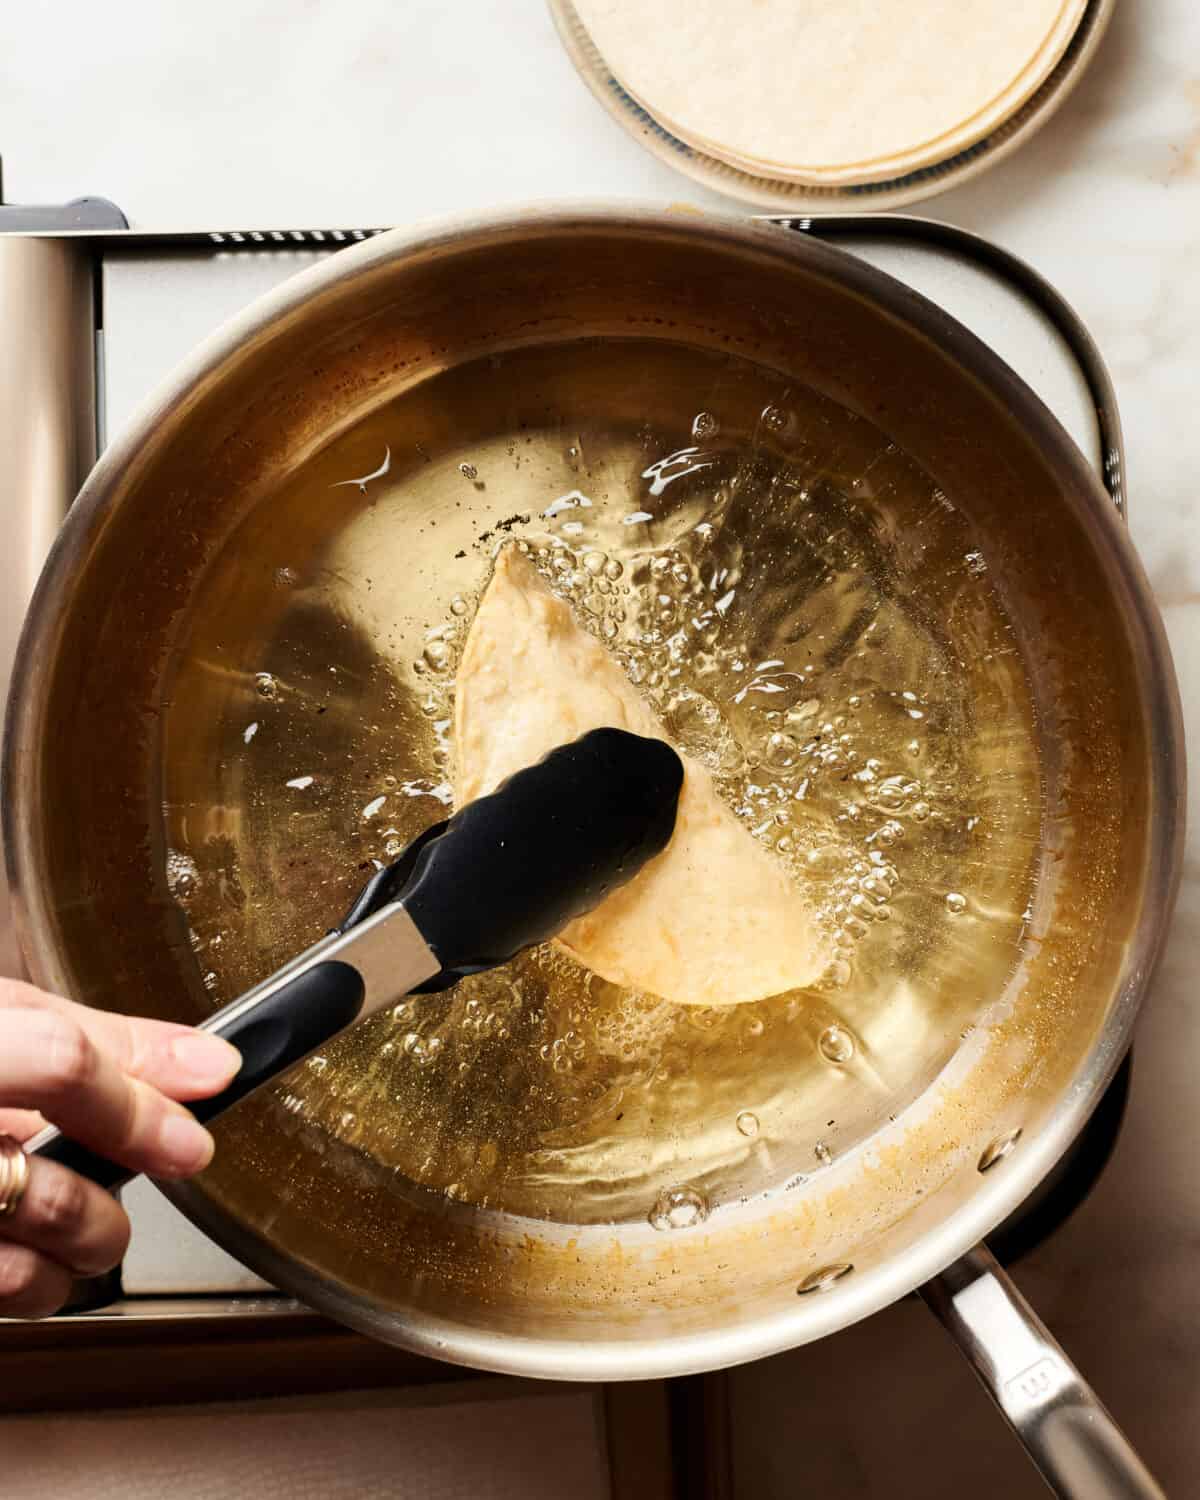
{"x":242,"y":113}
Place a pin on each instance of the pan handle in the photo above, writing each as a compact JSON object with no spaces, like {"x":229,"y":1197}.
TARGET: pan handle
{"x":1080,"y":1451}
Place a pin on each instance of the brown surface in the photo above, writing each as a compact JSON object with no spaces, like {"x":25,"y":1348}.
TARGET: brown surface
{"x":78,"y":1364}
{"x":702,"y":1437}
{"x":155,"y":1353}
{"x":637,"y":1424}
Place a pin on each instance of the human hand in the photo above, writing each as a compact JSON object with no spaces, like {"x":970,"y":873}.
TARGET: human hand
{"x":110,"y":1082}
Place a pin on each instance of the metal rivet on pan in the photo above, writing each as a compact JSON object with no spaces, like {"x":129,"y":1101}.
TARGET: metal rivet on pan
{"x":998,"y":1150}
{"x":822,"y":1280}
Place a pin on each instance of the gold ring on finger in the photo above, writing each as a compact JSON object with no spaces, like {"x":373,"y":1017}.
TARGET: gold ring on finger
{"x":14,"y":1175}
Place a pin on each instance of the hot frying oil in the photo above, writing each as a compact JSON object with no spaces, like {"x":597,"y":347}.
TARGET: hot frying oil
{"x":808,"y":615}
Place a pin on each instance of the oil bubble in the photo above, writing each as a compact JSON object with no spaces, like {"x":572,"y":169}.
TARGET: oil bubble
{"x":423,"y":1050}
{"x":437,"y":656}
{"x":893,"y":794}
{"x":836,"y":1044}
{"x":823,"y":1154}
{"x":182,"y":873}
{"x":679,"y":1208}
{"x":782,"y":750}
{"x":955,"y":903}
{"x":265,"y":685}
{"x":458,"y":606}
{"x":699,"y":727}
{"x":705,"y":425}
{"x":747,"y":1123}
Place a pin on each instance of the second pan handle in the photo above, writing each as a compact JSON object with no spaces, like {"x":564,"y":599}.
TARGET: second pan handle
{"x":1080,"y":1451}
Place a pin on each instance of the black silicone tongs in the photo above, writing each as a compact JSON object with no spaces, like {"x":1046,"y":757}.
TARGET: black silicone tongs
{"x":505,"y":872}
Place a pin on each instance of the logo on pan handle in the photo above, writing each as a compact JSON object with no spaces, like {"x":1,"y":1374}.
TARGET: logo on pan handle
{"x":1037,"y":1382}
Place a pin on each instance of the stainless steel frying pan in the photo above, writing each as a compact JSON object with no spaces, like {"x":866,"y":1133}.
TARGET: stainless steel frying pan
{"x":83,"y":772}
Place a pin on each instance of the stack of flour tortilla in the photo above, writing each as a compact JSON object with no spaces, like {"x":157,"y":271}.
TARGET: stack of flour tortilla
{"x":831,"y":92}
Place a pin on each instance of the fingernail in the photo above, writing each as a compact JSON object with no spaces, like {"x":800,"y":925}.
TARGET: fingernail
{"x":207,"y":1059}
{"x":186,"y":1143}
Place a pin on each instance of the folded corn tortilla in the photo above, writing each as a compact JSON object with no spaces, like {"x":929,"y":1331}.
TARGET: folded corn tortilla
{"x":713,"y":920}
